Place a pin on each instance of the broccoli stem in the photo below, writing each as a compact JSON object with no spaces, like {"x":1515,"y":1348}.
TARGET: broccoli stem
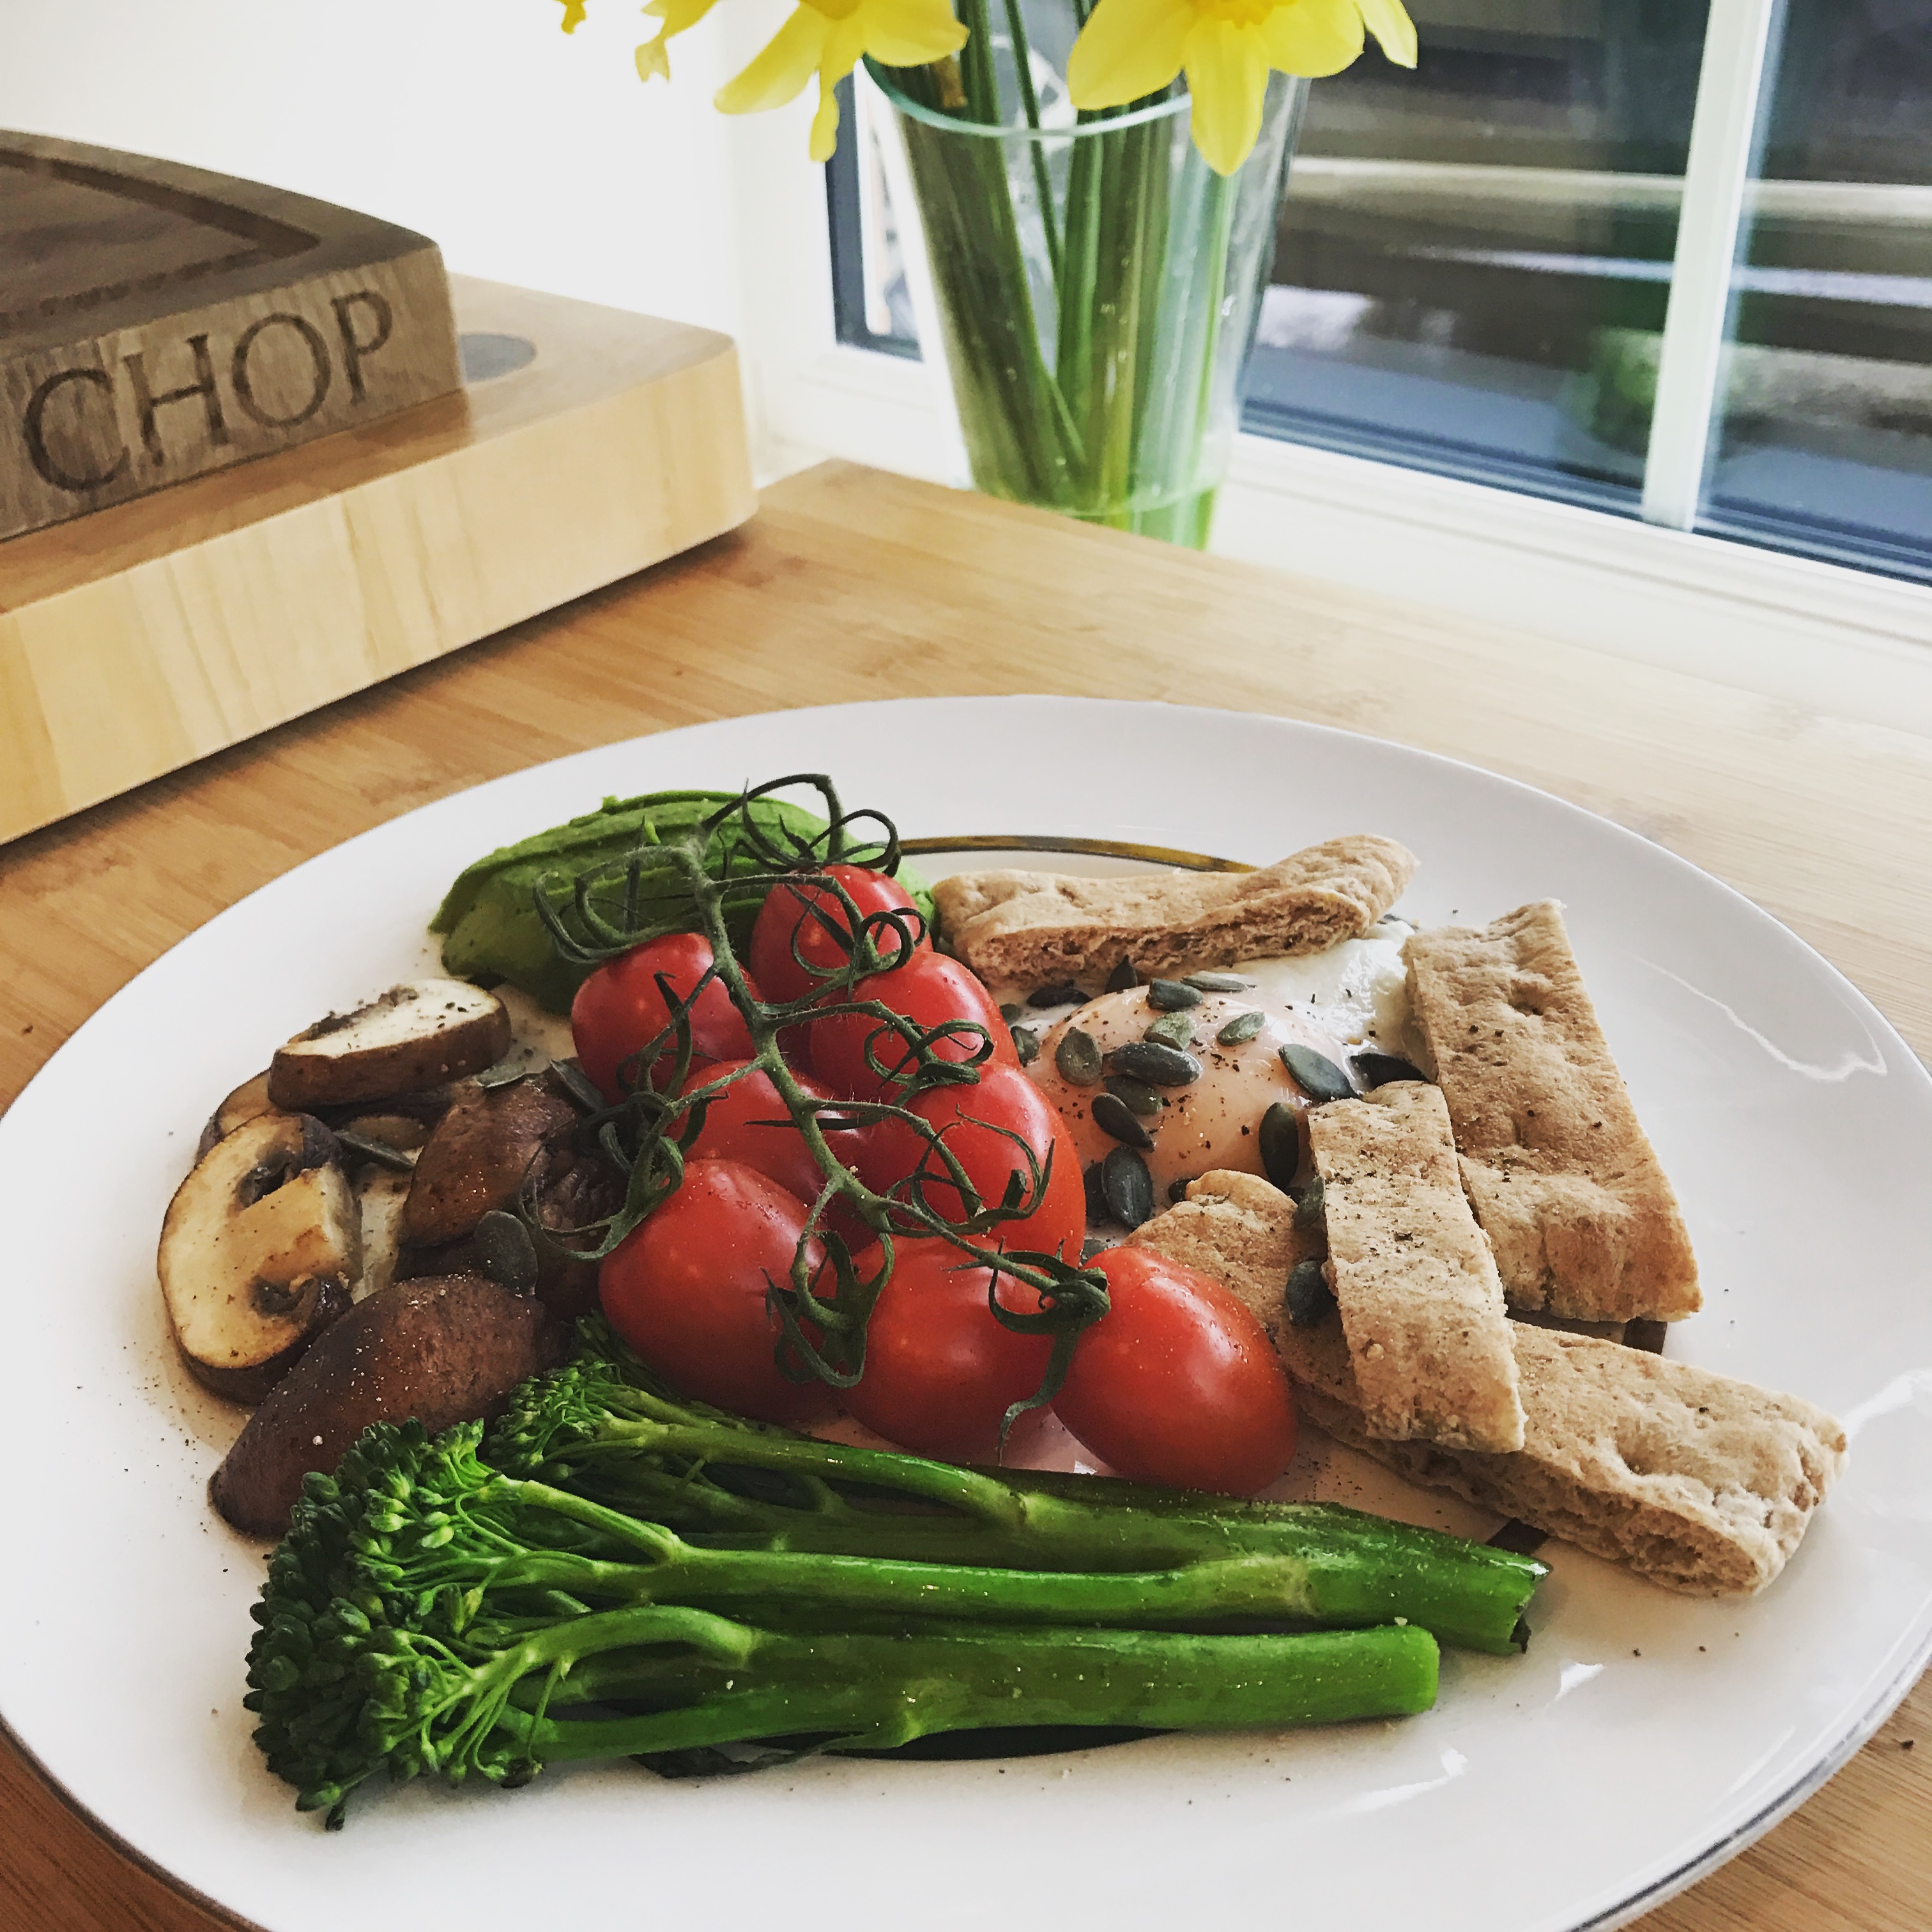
{"x":873,"y":1692}
{"x":1342,"y":1568}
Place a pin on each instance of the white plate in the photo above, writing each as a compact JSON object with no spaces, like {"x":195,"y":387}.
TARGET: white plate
{"x":1644,"y":1738}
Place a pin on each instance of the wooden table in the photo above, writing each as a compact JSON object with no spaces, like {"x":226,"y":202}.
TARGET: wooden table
{"x":853,"y":585}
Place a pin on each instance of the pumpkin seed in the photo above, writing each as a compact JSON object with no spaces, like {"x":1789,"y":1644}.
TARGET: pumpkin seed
{"x":1128,"y":1187}
{"x":1097,"y":1201}
{"x":1155,"y":1062}
{"x":1112,"y":1116}
{"x":1308,"y":1204}
{"x":1140,"y":1097}
{"x":1010,"y":1012}
{"x":1378,"y":1070}
{"x":1077,"y":1057}
{"x":380,"y":1152}
{"x":1061,"y":993}
{"x":1123,"y":978}
{"x":505,"y":1252}
{"x":577,"y":1085}
{"x":1242,"y":1027}
{"x":1308,"y":1298}
{"x":1177,"y":1190}
{"x":1172,"y":1030}
{"x":1218,"y":982}
{"x":1170,"y":996}
{"x":1281,"y":1143}
{"x":511,"y":1068}
{"x":1026,"y":1044}
{"x":1317,"y":1075}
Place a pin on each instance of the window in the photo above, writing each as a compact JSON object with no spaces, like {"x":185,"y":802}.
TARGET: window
{"x":1478,"y":272}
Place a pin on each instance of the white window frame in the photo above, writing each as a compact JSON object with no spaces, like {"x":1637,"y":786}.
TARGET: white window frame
{"x":1811,"y":633}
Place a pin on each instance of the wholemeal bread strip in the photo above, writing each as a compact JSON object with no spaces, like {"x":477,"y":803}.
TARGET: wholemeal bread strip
{"x":1562,"y":1178}
{"x":1702,"y":1483}
{"x":1428,"y":1333}
{"x":1029,"y":928}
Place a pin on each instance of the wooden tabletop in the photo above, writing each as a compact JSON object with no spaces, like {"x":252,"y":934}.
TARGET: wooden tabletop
{"x":852,"y":585}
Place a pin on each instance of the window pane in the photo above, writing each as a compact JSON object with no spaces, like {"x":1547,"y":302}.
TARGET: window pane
{"x":1825,"y":444}
{"x":870,"y":308}
{"x":1465,"y":251}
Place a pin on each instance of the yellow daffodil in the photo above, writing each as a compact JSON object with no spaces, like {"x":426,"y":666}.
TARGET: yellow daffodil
{"x":1129,"y":49}
{"x":826,"y":37}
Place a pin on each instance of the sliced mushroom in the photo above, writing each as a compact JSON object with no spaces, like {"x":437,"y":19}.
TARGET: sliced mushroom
{"x":477,"y":1156}
{"x":258,"y":1251}
{"x":446,"y":1351}
{"x":241,"y":1106}
{"x":380,"y":1196}
{"x":424,"y":1034}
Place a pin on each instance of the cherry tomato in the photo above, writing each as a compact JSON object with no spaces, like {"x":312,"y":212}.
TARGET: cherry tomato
{"x":940,"y":1371}
{"x":748,"y":1122}
{"x":687,"y":1290}
{"x":929,"y":989}
{"x":619,"y":1009}
{"x":1177,"y":1382}
{"x":970,"y":1119}
{"x":810,"y":918}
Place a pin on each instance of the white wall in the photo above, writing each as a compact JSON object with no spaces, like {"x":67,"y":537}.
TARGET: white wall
{"x":531,"y":157}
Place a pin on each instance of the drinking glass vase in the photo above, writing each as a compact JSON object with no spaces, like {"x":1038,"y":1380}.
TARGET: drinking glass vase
{"x":1096,"y":286}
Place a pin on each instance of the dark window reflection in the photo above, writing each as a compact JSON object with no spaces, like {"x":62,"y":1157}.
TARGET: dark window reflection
{"x":1826,"y":443}
{"x":1462,"y":250}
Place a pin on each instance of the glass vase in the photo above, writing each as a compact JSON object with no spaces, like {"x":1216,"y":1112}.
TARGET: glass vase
{"x":1096,"y":285}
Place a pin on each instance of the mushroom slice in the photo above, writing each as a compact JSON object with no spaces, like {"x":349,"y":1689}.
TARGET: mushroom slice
{"x":259,"y":1248}
{"x":477,"y":1156}
{"x":248,"y":1100}
{"x":417,"y":1036}
{"x":380,"y":1196}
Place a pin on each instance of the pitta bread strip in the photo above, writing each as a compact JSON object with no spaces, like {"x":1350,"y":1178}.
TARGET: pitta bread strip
{"x":1702,"y":1484}
{"x":1029,"y":929}
{"x":1563,"y":1179}
{"x":1428,"y":1334}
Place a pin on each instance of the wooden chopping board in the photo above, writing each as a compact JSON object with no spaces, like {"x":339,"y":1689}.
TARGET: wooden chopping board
{"x":157,"y":322}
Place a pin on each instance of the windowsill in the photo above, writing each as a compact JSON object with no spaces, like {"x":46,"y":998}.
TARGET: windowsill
{"x":1853,"y":643}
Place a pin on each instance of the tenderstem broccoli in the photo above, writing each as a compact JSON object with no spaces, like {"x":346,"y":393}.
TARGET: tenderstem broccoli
{"x":618,"y":1574}
{"x":427,"y":1614}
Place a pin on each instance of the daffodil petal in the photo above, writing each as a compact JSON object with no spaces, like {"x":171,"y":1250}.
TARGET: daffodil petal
{"x":825,"y":123}
{"x":573,"y":15}
{"x":653,"y":59}
{"x":777,"y":74}
{"x":1391,"y":25}
{"x":908,"y":33}
{"x":1127,"y":49}
{"x":1313,"y":37}
{"x":1227,"y":74}
{"x":679,"y":15}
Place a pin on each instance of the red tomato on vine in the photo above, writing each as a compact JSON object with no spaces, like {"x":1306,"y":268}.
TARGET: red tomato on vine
{"x":976,"y":1124}
{"x":806,"y":921}
{"x":940,"y":1370}
{"x":621,"y":1008}
{"x":687,"y":1289}
{"x":929,"y":990}
{"x":1177,"y":1382}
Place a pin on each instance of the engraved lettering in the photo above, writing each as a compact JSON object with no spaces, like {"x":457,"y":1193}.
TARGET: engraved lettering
{"x":319,"y":371}
{"x":354,"y":348}
{"x":35,"y":426}
{"x":146,"y":402}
